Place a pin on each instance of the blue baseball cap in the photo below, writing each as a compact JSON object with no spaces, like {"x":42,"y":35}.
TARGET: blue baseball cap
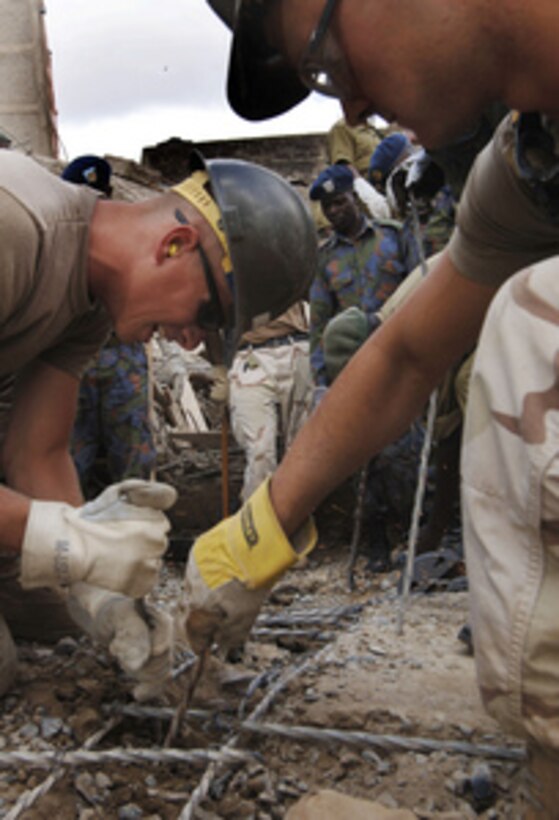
{"x":388,"y":153}
{"x":89,"y":170}
{"x":337,"y":179}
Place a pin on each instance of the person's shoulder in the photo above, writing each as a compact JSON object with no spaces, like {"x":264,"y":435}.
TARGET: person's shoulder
{"x":20,"y":170}
{"x":16,"y":221}
{"x":41,"y":193}
{"x":338,"y":125}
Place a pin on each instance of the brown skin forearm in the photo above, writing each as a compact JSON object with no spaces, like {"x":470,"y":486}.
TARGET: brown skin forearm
{"x":14,"y":509}
{"x":51,"y":477}
{"x":343,"y":434}
{"x":380,"y":392}
{"x":36,"y":457}
{"x":36,"y":461}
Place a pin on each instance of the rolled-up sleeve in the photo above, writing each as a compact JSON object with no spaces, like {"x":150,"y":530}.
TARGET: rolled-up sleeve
{"x":500,"y":229}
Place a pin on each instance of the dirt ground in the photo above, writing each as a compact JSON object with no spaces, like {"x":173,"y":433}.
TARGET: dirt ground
{"x":385,"y":716}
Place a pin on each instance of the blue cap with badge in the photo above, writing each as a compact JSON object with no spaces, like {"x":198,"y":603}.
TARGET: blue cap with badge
{"x":90,"y":170}
{"x":388,"y":153}
{"x":336,"y":179}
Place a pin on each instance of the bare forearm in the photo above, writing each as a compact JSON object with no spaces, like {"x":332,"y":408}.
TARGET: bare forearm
{"x":381,"y":391}
{"x":371,"y":404}
{"x":36,"y":457}
{"x":14,"y":509}
{"x":52,"y":477}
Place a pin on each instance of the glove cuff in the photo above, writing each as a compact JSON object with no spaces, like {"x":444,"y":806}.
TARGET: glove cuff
{"x":259,"y":544}
{"x":46,"y":552}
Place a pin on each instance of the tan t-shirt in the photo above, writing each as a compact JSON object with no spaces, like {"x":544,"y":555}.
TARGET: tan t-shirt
{"x":500,"y":228}
{"x":46,"y":311}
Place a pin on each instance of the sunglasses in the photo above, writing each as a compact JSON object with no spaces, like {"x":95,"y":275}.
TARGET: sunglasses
{"x":323,"y":66}
{"x":210,"y":314}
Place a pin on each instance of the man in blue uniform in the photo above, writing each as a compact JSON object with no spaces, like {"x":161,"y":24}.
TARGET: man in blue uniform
{"x":360,"y":265}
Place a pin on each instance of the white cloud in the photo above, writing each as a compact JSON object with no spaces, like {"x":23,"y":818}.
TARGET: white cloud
{"x":129,"y":73}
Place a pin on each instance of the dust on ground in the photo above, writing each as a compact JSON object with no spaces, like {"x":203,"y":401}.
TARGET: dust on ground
{"x":413,"y":695}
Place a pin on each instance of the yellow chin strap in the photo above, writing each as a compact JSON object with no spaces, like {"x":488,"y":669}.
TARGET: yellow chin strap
{"x":195,"y":190}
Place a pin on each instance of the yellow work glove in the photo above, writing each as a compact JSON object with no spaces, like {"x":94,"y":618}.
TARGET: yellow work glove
{"x":137,"y":635}
{"x":232,"y":567}
{"x":115,"y":541}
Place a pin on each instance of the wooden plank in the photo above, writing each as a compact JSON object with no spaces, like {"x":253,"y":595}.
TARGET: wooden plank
{"x":210,"y":440}
{"x":194,"y":418}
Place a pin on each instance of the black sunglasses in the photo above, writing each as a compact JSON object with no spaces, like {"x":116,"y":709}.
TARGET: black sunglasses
{"x":323,"y":66}
{"x":210,"y":314}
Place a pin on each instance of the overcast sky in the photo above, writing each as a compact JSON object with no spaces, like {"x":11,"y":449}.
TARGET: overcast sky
{"x":131,"y":73}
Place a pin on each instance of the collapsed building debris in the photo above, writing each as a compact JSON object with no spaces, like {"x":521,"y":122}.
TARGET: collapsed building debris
{"x":365,"y":712}
{"x":331,"y":680}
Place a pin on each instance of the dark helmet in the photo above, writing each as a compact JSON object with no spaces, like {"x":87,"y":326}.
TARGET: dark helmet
{"x":261,"y":84}
{"x":270,"y":236}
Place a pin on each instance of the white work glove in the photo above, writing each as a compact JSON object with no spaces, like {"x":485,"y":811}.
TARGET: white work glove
{"x":137,"y":635}
{"x":115,"y":541}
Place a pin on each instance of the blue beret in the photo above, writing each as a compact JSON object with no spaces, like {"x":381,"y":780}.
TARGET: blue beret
{"x":388,"y":152}
{"x":89,"y":170}
{"x":337,"y":179}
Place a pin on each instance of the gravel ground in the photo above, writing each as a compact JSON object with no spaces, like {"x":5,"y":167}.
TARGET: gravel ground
{"x":427,"y":744}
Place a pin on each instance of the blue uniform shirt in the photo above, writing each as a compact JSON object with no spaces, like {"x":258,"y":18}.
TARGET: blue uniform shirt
{"x":362,"y":272}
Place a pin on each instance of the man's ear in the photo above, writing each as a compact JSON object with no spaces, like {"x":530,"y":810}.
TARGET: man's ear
{"x":177,"y":241}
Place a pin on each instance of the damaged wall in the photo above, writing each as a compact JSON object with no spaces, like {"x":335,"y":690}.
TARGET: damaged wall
{"x":27,"y":107}
{"x":297,"y":158}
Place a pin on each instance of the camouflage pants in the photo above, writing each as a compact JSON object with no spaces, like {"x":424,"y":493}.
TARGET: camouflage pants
{"x":270,"y":393}
{"x":113,"y":416}
{"x":510,"y":496}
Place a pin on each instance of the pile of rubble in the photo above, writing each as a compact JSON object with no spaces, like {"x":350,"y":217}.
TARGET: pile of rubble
{"x":326,"y":695}
{"x":188,"y":427}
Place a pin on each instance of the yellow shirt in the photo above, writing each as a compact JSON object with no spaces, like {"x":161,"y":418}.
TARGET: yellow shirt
{"x":352,"y":144}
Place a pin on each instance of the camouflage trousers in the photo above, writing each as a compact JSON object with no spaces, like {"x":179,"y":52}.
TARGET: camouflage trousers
{"x":270,"y":395}
{"x":510,"y":498}
{"x":113,"y":417}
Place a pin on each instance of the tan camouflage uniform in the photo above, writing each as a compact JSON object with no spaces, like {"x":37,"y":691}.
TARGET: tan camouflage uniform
{"x":510,"y":471}
{"x":510,"y":454}
{"x":510,"y":499}
{"x":270,"y":392}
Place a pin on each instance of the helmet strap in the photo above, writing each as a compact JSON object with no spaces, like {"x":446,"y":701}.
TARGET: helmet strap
{"x":195,"y":189}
